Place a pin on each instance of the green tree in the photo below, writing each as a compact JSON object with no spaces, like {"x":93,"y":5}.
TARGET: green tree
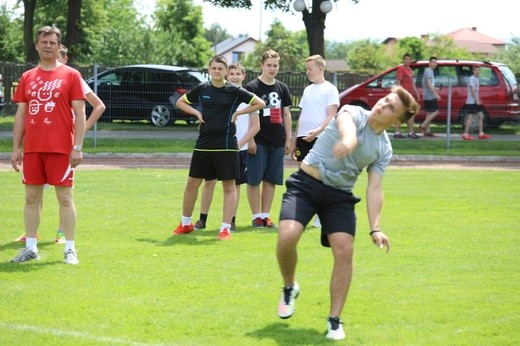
{"x":510,"y":55}
{"x":11,"y":36}
{"x":182,"y":21}
{"x":291,"y":46}
{"x":336,"y":50}
{"x":366,"y":56}
{"x":216,"y":34}
{"x":314,"y":20}
{"x":411,"y":45}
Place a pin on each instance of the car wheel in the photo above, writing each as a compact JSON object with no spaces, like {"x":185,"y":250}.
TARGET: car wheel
{"x":160,"y":116}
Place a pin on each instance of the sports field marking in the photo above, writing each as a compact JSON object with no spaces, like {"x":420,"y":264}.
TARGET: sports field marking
{"x":84,"y":336}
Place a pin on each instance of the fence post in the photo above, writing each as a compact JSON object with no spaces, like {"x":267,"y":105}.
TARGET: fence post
{"x":448,"y":116}
{"x":95,"y":92}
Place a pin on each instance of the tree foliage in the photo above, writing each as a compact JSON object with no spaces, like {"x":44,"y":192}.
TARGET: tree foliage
{"x":291,"y":46}
{"x":366,"y":56}
{"x":11,"y":36}
{"x":216,"y":34}
{"x":314,"y":20}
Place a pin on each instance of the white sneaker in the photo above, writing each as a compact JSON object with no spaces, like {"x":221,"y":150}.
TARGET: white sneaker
{"x":24,"y":255}
{"x":335,"y":329}
{"x":316,"y":222}
{"x":287,"y":303}
{"x":71,"y":257}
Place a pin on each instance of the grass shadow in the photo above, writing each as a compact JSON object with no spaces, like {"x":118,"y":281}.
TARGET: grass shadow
{"x":8,"y":267}
{"x":282,"y":334}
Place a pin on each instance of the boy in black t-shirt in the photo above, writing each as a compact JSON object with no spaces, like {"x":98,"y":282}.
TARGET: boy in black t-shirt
{"x":272,"y":143}
{"x":216,"y":151}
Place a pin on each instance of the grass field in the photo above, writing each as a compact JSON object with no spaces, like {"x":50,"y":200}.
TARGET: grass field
{"x":451,"y":278}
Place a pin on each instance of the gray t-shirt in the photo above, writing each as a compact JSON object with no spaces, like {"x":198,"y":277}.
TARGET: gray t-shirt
{"x":428,"y":94}
{"x":473,"y":81}
{"x":373,"y":151}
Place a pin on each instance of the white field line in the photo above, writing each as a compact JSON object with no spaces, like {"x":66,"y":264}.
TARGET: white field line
{"x":60,"y":333}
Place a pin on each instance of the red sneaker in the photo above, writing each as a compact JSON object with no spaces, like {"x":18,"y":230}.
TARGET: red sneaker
{"x":224,"y":234}
{"x":257,"y":223}
{"x":483,"y":136}
{"x":268,"y":223}
{"x":23,"y":238}
{"x":183,"y":229}
{"x":467,"y":137}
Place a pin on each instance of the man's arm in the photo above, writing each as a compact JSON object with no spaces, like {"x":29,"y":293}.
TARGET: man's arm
{"x":287,"y":125}
{"x":374,"y":196}
{"x":183,"y":105}
{"x":347,"y":135}
{"x":98,"y":107}
{"x":18,"y":134}
{"x":80,"y":126}
{"x":331,"y":111}
{"x":252,"y":129}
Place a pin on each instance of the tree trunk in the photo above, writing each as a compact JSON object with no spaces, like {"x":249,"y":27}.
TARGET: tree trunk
{"x":315,"y":27}
{"x":73,"y":29}
{"x":28,"y":35}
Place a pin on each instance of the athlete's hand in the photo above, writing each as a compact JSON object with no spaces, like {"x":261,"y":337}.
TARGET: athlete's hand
{"x":16,"y":160}
{"x":381,"y":240}
{"x":75,"y":158}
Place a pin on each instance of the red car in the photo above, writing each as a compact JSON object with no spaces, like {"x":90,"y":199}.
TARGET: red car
{"x":499,"y":90}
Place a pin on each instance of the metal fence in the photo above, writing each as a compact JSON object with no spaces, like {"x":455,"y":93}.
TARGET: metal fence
{"x":296,"y":81}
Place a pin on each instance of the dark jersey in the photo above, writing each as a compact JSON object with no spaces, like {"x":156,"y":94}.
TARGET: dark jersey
{"x":276,"y":97}
{"x":217,"y":105}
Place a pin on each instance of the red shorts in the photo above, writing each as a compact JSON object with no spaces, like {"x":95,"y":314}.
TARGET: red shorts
{"x":47,"y":168}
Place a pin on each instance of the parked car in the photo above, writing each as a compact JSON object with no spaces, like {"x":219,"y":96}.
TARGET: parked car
{"x":498,"y":90}
{"x":145,"y":92}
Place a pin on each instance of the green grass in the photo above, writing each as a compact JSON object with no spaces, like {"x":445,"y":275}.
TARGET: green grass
{"x":451,"y":277}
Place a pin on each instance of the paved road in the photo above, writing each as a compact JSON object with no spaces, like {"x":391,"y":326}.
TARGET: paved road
{"x":175,"y":134}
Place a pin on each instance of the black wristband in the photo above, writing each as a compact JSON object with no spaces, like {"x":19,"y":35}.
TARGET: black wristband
{"x":375,"y":231}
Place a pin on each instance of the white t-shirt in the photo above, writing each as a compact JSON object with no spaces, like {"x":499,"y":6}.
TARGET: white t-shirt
{"x":314,"y":102}
{"x":242,"y":124}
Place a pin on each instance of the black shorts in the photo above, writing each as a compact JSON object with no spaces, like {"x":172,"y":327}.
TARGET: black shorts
{"x":303,"y":148}
{"x":306,"y":196}
{"x":472,"y":108}
{"x":211,"y":165}
{"x":430,"y":106}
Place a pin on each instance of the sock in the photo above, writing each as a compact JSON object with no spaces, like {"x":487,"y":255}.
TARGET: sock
{"x":203,"y":217}
{"x":69,"y":245}
{"x":257,"y":215}
{"x":264,"y":215}
{"x":225,"y":225}
{"x":30,"y":243}
{"x":186,"y":220}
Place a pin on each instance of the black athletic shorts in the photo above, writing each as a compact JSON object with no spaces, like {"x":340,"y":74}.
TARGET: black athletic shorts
{"x":211,"y":165}
{"x":306,"y":196}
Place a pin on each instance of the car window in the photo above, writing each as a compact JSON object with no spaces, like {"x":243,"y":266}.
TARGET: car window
{"x":445,"y":76}
{"x":111,"y":78}
{"x":386,"y":81}
{"x":189,"y":78}
{"x":508,"y":75}
{"x":488,"y":76}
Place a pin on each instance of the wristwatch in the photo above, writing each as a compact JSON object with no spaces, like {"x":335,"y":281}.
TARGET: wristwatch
{"x":77,"y":147}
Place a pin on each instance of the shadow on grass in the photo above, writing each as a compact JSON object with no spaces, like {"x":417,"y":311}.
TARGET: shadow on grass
{"x":25,"y":267}
{"x":200,"y":237}
{"x":282,"y":334}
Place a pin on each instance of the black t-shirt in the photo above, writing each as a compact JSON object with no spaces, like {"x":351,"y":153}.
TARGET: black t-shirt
{"x":217,"y":105}
{"x":276,"y":97}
